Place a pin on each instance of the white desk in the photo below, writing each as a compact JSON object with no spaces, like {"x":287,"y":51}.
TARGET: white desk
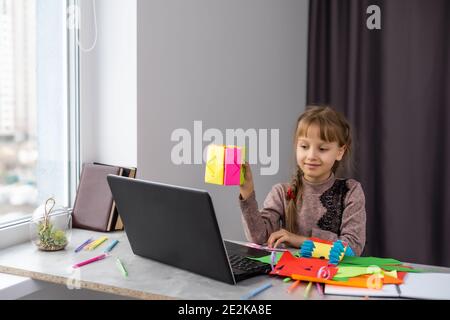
{"x":147,"y":279}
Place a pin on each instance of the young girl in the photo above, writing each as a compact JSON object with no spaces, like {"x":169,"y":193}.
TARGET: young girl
{"x":315,"y":203}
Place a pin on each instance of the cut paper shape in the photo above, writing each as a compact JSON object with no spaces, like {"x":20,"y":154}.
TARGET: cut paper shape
{"x":350,"y":272}
{"x":322,"y":249}
{"x":307,"y":269}
{"x":234,"y":171}
{"x":288,"y":265}
{"x":224,"y":165}
{"x":369,"y":261}
{"x":267,"y":259}
{"x":215,"y":164}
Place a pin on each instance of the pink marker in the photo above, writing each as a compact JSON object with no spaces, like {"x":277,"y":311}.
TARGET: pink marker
{"x":100,"y":257}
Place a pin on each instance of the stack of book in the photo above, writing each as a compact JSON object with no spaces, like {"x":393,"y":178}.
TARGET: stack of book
{"x":94,"y":207}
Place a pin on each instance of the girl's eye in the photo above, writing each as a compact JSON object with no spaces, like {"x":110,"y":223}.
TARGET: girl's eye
{"x":322,"y":149}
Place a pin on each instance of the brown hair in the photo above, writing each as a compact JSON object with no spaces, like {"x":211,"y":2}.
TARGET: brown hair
{"x":333,"y":128}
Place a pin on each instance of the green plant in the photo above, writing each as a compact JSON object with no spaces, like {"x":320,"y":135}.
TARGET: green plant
{"x":49,"y":238}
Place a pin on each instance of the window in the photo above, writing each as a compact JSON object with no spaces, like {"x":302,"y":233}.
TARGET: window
{"x":36,"y":124}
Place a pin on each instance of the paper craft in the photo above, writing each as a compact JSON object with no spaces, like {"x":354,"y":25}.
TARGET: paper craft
{"x":309,"y":270}
{"x":322,"y":249}
{"x":267,"y":259}
{"x":215,"y":164}
{"x":350,"y":272}
{"x":234,"y":159}
{"x":224,"y":165}
{"x":369,"y":261}
{"x":309,"y":267}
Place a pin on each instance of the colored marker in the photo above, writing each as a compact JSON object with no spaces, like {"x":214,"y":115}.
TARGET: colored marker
{"x":308,"y":288}
{"x":83,"y":245}
{"x":121,"y":267}
{"x":96,"y":243}
{"x":273,"y":257}
{"x":319,"y":288}
{"x":257,"y":291}
{"x":98,"y":258}
{"x":111,"y":246}
{"x":293,"y":286}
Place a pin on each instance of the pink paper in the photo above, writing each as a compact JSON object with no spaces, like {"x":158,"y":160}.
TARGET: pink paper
{"x":232,"y":167}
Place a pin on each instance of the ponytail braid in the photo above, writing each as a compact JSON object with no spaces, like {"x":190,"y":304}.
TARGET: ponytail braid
{"x":293,"y":195}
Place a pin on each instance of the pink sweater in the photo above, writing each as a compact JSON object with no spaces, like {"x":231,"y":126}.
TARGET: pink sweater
{"x":330,"y":210}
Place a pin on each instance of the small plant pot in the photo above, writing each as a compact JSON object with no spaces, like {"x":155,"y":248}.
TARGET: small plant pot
{"x":51,"y":231}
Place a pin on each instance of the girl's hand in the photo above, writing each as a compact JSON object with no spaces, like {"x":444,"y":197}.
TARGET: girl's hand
{"x":283,"y":236}
{"x":247,"y":188}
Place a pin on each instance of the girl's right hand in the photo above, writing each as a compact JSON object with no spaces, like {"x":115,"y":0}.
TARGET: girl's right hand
{"x":247,"y":188}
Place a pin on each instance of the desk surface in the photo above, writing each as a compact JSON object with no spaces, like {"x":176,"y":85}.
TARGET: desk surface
{"x":147,"y":279}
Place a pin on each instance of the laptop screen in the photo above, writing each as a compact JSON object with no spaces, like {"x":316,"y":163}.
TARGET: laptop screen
{"x":173,"y":225}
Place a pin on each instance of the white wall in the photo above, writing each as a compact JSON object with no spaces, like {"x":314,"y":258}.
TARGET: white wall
{"x":230,"y":64}
{"x":108,"y":82}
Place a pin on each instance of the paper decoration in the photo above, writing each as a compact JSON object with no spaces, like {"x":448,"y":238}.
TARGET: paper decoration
{"x":320,"y":271}
{"x":369,"y":261}
{"x":224,"y":165}
{"x":309,"y":267}
{"x":322,"y":249}
{"x":234,"y":159}
{"x":215,"y":164}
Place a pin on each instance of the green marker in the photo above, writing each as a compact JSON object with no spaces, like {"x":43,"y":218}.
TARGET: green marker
{"x":121,"y":267}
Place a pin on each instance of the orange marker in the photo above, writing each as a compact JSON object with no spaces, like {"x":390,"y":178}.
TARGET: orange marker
{"x":293,"y":286}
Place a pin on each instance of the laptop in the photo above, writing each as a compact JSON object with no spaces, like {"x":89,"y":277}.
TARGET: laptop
{"x":178,"y":226}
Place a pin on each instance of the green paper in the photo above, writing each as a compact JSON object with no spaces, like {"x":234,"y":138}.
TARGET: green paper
{"x":287,"y":279}
{"x":369,"y":261}
{"x":401,"y":269}
{"x":387,"y":268}
{"x":267,"y":259}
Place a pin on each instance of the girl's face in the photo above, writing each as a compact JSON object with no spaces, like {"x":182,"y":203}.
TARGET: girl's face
{"x":316,"y":157}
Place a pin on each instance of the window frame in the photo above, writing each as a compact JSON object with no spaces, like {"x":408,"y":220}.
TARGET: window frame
{"x":17,"y":231}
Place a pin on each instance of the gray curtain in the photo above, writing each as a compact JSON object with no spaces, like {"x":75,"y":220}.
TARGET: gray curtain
{"x":393,"y":85}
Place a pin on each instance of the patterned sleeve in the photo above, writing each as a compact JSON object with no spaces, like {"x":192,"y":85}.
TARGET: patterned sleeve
{"x":260,"y":224}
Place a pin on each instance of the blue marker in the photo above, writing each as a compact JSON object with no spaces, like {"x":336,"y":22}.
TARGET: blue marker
{"x":111,"y":246}
{"x":257,"y":291}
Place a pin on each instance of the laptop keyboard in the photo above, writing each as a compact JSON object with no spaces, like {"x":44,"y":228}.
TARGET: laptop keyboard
{"x":243,"y":263}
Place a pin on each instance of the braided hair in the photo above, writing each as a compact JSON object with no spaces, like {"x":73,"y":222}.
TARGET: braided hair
{"x":333,"y":128}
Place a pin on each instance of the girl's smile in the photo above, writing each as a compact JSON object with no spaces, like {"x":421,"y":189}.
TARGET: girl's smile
{"x":316,"y":157}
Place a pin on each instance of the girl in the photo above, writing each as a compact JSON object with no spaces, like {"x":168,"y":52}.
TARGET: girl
{"x":315,"y":203}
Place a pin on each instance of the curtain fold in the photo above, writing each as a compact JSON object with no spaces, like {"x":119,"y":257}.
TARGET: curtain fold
{"x":393,"y":85}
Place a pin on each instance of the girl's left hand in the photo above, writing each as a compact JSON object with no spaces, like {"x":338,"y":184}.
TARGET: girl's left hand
{"x":283,"y":236}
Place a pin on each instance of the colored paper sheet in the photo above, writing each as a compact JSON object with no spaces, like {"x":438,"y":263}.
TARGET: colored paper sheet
{"x":309,"y":267}
{"x":233,"y":164}
{"x":214,"y":172}
{"x":266,"y":259}
{"x":350,"y":272}
{"x":369,"y":261}
{"x":387,"y":267}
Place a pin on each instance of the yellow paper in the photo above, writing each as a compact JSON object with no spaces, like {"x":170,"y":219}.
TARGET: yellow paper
{"x":392,"y":274}
{"x":215,"y":164}
{"x":323,"y":250}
